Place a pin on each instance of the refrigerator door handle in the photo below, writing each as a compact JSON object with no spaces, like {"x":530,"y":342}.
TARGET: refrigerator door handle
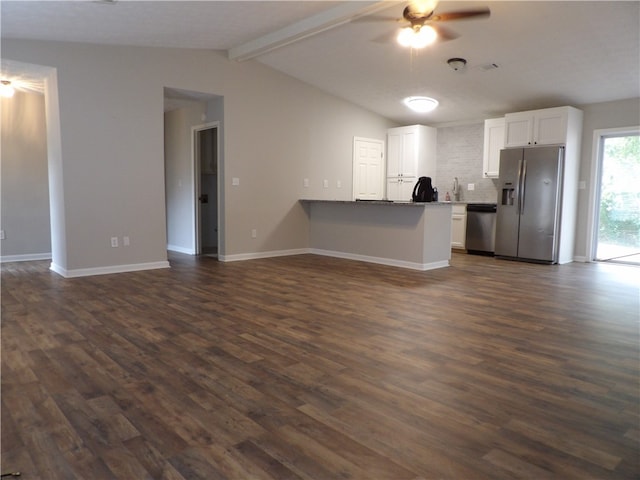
{"x":524,"y":182}
{"x":519,"y":187}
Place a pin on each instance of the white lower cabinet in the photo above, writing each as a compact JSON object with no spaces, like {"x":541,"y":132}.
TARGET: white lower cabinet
{"x":458,"y":225}
{"x":400,"y":189}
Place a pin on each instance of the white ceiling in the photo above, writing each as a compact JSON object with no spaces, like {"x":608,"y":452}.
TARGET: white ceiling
{"x":548,"y":53}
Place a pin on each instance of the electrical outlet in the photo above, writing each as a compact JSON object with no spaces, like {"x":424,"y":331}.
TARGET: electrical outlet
{"x":2,"y":237}
{"x":305,"y":182}
{"x":338,"y":184}
{"x":471,"y":186}
{"x":325,"y":183}
{"x":125,"y":241}
{"x":254,"y":233}
{"x":582,"y":185}
{"x":114,"y":242}
{"x":235,"y":181}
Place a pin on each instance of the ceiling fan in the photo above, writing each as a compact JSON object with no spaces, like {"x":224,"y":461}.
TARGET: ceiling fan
{"x":422,"y":18}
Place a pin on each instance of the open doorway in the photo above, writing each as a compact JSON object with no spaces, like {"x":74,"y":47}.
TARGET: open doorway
{"x":194,"y":168}
{"x":616,"y":233}
{"x":206,"y":153}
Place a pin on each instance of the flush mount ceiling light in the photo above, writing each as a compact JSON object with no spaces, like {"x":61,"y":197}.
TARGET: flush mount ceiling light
{"x":417,"y":36}
{"x":6,"y":89}
{"x":457,"y":63}
{"x":421,"y":104}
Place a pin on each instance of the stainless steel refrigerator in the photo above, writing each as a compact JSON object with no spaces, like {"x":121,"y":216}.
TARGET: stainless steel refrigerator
{"x":529,"y":200}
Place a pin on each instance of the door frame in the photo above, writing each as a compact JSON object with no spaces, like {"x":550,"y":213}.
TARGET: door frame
{"x":383,"y":183}
{"x":195,"y":181}
{"x":596,"y":173}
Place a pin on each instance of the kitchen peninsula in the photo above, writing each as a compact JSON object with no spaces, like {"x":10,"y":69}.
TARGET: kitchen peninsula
{"x":403,"y":234}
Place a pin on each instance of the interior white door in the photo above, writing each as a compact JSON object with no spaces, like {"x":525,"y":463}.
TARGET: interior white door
{"x":368,"y":169}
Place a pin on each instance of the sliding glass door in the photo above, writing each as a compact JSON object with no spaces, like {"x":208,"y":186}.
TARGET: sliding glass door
{"x":618,"y":213}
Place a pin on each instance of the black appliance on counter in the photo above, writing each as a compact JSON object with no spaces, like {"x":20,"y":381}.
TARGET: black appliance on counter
{"x":481,"y":228}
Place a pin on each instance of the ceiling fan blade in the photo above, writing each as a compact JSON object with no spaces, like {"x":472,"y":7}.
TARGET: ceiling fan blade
{"x":460,"y":15}
{"x":375,"y":19}
{"x":444,"y":34}
{"x":388,"y":37}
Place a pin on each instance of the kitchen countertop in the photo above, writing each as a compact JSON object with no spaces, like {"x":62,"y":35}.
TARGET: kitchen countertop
{"x":380,"y":202}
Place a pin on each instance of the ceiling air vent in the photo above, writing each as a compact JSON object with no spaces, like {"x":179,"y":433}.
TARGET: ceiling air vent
{"x":488,"y":66}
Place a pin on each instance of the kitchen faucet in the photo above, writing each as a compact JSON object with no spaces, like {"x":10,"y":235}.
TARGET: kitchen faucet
{"x":456,"y":189}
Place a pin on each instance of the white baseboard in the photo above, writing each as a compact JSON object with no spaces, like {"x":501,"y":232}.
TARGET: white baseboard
{"x":87,"y":272}
{"x":29,"y":257}
{"x":382,"y":261}
{"x":254,"y":256}
{"x":177,"y":249}
{"x":329,"y":253}
{"x":580,"y":259}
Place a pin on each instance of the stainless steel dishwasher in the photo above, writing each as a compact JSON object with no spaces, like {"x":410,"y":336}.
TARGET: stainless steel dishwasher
{"x":481,"y":228}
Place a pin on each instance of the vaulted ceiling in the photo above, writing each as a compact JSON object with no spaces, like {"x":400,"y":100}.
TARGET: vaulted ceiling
{"x":525,"y":55}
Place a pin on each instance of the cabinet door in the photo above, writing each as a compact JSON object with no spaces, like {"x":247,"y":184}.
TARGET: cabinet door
{"x":406,"y":188}
{"x":394,"y":154}
{"x":409,"y":163}
{"x":493,"y":143}
{"x":393,"y":189}
{"x":400,"y":189}
{"x":518,"y":129}
{"x":550,"y":127}
{"x":458,"y":230}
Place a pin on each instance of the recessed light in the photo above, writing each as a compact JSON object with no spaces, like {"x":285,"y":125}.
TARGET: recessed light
{"x":421,"y":104}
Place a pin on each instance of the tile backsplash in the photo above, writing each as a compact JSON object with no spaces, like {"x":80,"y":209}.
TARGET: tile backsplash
{"x":459,"y":154}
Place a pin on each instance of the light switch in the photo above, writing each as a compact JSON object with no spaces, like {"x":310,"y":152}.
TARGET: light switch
{"x":235,"y":181}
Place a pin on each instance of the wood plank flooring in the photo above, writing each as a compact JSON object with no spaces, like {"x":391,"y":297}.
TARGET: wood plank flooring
{"x":308,"y":367}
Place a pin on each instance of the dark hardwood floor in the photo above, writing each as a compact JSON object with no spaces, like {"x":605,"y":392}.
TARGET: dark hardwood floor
{"x":319,"y":368}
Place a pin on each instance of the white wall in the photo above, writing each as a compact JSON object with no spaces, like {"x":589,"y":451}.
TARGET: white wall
{"x":179,"y":176}
{"x":277,"y":131}
{"x":25,"y":193}
{"x":622,"y":113}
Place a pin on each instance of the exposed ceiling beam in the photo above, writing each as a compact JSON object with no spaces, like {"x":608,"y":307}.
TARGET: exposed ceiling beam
{"x":313,"y":25}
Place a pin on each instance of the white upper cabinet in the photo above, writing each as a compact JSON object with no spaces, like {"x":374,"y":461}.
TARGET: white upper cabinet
{"x":411,"y":151}
{"x":493,"y":143}
{"x":536,"y":127}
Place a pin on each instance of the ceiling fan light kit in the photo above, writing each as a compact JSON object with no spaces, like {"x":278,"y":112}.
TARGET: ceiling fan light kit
{"x":421,"y":14}
{"x":6,"y":89}
{"x":417,"y":36}
{"x":421,"y":104}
